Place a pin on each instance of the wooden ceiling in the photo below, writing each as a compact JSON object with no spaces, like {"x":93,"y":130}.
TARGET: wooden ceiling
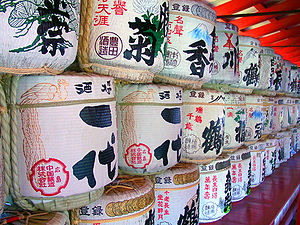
{"x":276,"y":23}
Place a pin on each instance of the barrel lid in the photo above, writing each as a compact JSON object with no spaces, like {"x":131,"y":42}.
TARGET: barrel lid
{"x":222,"y":162}
{"x":148,"y":93}
{"x":182,"y":174}
{"x":127,"y":195}
{"x":203,"y":96}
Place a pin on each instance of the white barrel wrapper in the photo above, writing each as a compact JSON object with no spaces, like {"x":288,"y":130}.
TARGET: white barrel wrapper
{"x":277,"y":115}
{"x":235,"y":121}
{"x":249,"y":57}
{"x":258,"y":163}
{"x":283,"y":148}
{"x":67,"y":133}
{"x":293,"y":111}
{"x":150,"y":127}
{"x":240,"y":174}
{"x":203,"y":125}
{"x":287,"y":119}
{"x":293,"y":86}
{"x":38,"y":34}
{"x":128,"y":34}
{"x":215,"y":189}
{"x":192,"y":28}
{"x":268,"y":114}
{"x":129,"y":200}
{"x":267,"y":68}
{"x":276,"y":83}
{"x":271,"y":147}
{"x":294,"y":141}
{"x":254,"y":124}
{"x":298,"y":139}
{"x":177,"y":195}
{"x":226,"y":55}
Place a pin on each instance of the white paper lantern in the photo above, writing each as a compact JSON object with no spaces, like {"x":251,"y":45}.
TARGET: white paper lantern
{"x":240,"y":174}
{"x":177,"y":195}
{"x":254,"y":124}
{"x":124,"y":39}
{"x":271,"y":147}
{"x":67,"y":145}
{"x":38,"y":37}
{"x":203,"y":125}
{"x":249,"y":57}
{"x":258,"y":163}
{"x":150,"y":127}
{"x":226,"y":55}
{"x":235,"y":121}
{"x":189,"y":57}
{"x":129,"y":200}
{"x":215,"y":189}
{"x":267,"y":68}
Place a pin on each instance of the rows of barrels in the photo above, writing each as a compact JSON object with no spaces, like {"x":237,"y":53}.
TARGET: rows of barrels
{"x":136,"y":112}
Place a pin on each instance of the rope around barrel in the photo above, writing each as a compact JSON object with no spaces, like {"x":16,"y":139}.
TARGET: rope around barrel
{"x":43,"y":70}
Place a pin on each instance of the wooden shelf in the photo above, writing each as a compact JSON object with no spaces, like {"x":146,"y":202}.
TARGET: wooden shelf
{"x":273,"y":200}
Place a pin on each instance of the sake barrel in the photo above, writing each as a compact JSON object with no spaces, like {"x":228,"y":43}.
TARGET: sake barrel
{"x":268,"y":114}
{"x":298,"y":139}
{"x":287,"y":119}
{"x":240,"y":174}
{"x":254,"y":122}
{"x":277,"y":115}
{"x":235,"y":121}
{"x":249,"y":57}
{"x":277,"y":80}
{"x":177,"y":195}
{"x":203,"y":125}
{"x":150,"y":127}
{"x":297,"y":102}
{"x":271,"y":147}
{"x":127,"y":200}
{"x":284,"y":142}
{"x":123,"y":39}
{"x":226,"y":55}
{"x":267,"y":67}
{"x":67,"y":140}
{"x":293,"y":111}
{"x":294,"y":79}
{"x":258,"y":163}
{"x":189,"y":56}
{"x":286,"y":75}
{"x":294,"y":141}
{"x":215,"y":189}
{"x":38,"y":37}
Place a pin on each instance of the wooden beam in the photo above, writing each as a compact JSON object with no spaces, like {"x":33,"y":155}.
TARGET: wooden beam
{"x":289,"y":54}
{"x":272,"y":27}
{"x":234,"y":6}
{"x":243,"y":23}
{"x":295,"y":31}
{"x":291,"y":41}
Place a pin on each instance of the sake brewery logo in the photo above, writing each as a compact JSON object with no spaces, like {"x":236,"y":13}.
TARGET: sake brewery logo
{"x":108,"y":46}
{"x":138,"y":156}
{"x":173,"y":58}
{"x":49,"y":176}
{"x":191,"y":143}
{"x":210,"y":209}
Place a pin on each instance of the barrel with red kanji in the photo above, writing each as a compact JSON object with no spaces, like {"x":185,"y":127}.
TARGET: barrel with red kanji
{"x":271,"y":154}
{"x":267,"y":71}
{"x":235,"y":121}
{"x":177,"y":195}
{"x":149,"y":127}
{"x":226,"y":55}
{"x":129,"y":200}
{"x":126,"y":39}
{"x":215,"y":189}
{"x":240,"y":174}
{"x":258,"y":163}
{"x":189,"y":56}
{"x":249,"y":57}
{"x":38,"y":37}
{"x":254,"y":124}
{"x":203,"y":125}
{"x":67,"y":140}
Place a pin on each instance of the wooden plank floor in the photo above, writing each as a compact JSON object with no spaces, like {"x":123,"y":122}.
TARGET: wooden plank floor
{"x":266,"y":201}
